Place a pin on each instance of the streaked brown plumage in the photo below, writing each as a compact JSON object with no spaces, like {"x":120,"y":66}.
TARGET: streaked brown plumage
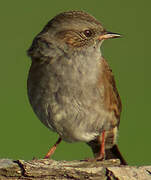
{"x":70,"y":85}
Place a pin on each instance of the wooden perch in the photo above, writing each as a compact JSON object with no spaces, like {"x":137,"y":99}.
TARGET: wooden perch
{"x":74,"y":170}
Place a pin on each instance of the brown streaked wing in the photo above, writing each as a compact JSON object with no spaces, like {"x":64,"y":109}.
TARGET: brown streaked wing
{"x":112,"y":100}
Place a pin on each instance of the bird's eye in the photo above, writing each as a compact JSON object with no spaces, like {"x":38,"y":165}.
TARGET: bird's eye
{"x":87,"y":33}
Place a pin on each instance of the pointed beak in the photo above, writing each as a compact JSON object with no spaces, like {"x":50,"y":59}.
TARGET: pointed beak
{"x":109,"y":35}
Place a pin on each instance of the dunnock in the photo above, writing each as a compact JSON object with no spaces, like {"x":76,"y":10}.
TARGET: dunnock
{"x":70,"y":85}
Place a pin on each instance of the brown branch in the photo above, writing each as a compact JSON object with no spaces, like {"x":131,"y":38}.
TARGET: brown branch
{"x":74,"y":170}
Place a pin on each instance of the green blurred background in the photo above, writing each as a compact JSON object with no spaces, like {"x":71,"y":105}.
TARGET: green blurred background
{"x":22,"y":135}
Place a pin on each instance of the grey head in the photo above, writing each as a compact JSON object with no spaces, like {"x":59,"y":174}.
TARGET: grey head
{"x":69,"y":31}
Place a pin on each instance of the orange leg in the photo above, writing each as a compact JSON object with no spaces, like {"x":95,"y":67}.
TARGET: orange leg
{"x":102,"y":147}
{"x":98,"y":148}
{"x":52,"y":150}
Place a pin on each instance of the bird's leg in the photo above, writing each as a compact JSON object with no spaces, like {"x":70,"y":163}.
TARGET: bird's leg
{"x":52,"y":149}
{"x":101,"y":154}
{"x":98,"y":148}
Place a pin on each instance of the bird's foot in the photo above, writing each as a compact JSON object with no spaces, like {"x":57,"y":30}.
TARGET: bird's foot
{"x":99,"y":158}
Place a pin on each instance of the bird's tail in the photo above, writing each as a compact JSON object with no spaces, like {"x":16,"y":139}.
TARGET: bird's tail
{"x":110,"y":153}
{"x":114,"y":153}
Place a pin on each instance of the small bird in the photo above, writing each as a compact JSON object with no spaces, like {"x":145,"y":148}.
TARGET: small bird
{"x":71,"y":87}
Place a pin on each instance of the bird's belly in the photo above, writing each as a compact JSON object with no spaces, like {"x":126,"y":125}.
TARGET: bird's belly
{"x":75,"y":116}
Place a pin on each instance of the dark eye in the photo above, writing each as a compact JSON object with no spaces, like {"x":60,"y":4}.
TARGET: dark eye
{"x":88,"y":33}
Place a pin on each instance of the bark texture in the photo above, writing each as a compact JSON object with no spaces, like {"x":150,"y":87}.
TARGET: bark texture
{"x":74,"y":170}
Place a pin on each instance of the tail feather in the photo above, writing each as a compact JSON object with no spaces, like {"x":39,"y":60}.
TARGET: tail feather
{"x":114,"y":153}
{"x":110,"y":153}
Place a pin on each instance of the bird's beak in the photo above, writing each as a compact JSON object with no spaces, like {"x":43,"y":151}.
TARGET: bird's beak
{"x":108,"y":35}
